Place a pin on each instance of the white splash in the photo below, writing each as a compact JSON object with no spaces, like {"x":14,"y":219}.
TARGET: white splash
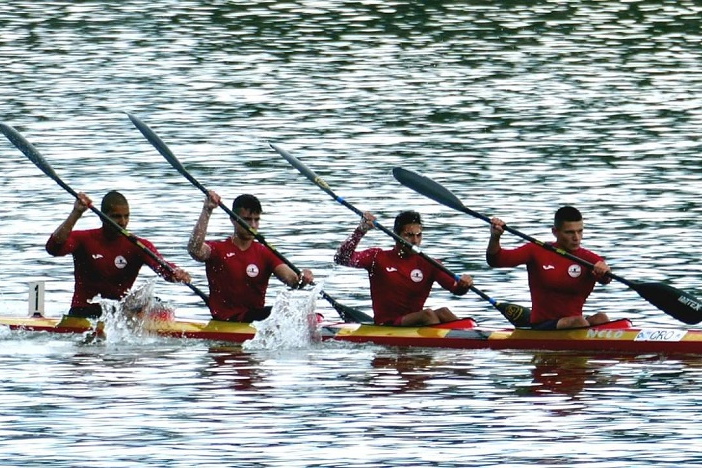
{"x":123,"y":320}
{"x":291,"y":325}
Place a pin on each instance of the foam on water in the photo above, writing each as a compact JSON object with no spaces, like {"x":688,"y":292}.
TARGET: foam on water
{"x":123,"y":320}
{"x":291,"y":325}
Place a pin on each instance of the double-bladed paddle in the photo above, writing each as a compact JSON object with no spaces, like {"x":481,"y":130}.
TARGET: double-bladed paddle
{"x":516,"y":314}
{"x":670,"y":300}
{"x":348,"y":314}
{"x":33,"y":154}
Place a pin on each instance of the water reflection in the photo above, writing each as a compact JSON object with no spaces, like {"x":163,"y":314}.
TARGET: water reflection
{"x":461,"y":403}
{"x":241,"y":370}
{"x":400,"y":372}
{"x":567,"y":374}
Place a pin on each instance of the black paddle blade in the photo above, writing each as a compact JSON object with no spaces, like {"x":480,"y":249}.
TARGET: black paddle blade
{"x":156,"y":142}
{"x":28,"y":149}
{"x":303,"y":169}
{"x":296,"y":163}
{"x":517,"y":315}
{"x":672,"y":301}
{"x":427,"y":187}
{"x":348,"y":314}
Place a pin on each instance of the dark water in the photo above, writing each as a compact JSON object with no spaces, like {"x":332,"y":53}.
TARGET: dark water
{"x":518,"y":109}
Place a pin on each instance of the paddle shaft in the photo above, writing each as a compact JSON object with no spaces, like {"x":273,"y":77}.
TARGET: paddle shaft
{"x":670,"y":300}
{"x":545,"y":245}
{"x":165,"y":151}
{"x":437,"y":192}
{"x":307,"y":172}
{"x":33,"y":154}
{"x":344,"y":311}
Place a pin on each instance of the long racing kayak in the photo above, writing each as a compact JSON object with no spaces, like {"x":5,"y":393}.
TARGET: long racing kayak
{"x":615,"y":336}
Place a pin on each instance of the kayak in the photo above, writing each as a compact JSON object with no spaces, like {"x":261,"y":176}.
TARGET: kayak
{"x":616,"y":336}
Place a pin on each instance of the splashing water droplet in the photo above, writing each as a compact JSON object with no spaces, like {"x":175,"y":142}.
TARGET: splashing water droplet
{"x":291,"y":325}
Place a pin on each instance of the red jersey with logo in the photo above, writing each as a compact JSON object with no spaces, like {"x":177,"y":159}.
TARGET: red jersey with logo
{"x":559,"y":286}
{"x":398,"y":285}
{"x":104,"y":266}
{"x":238,"y":278}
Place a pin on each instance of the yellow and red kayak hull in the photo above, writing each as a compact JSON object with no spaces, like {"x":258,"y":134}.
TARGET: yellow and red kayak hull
{"x":618,"y":336}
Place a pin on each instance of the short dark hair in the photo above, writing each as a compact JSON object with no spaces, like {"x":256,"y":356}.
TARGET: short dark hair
{"x":247,"y":202}
{"x":111,"y":199}
{"x":566,"y":214}
{"x":405,"y":218}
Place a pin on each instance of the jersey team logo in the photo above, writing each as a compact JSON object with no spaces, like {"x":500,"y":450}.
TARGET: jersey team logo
{"x":252,"y":271}
{"x":417,"y":275}
{"x":575,"y":271}
{"x":120,"y":262}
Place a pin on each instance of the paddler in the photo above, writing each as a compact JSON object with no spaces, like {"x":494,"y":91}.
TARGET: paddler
{"x":400,"y":279}
{"x":106,"y":263}
{"x":559,"y":286}
{"x":239,"y":267}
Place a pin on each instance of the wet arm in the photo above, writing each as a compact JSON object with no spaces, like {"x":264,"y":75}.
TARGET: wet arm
{"x":288,"y":276}
{"x":458,"y":287}
{"x":494,"y":247}
{"x":174,"y":274}
{"x":344,"y":254}
{"x":600,"y":271}
{"x":57,"y":243}
{"x":196,"y":245}
{"x":60,"y":235}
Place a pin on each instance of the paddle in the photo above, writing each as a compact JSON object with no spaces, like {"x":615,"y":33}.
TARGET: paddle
{"x":346,"y":313}
{"x":516,"y":314}
{"x":33,"y":154}
{"x":672,"y":301}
